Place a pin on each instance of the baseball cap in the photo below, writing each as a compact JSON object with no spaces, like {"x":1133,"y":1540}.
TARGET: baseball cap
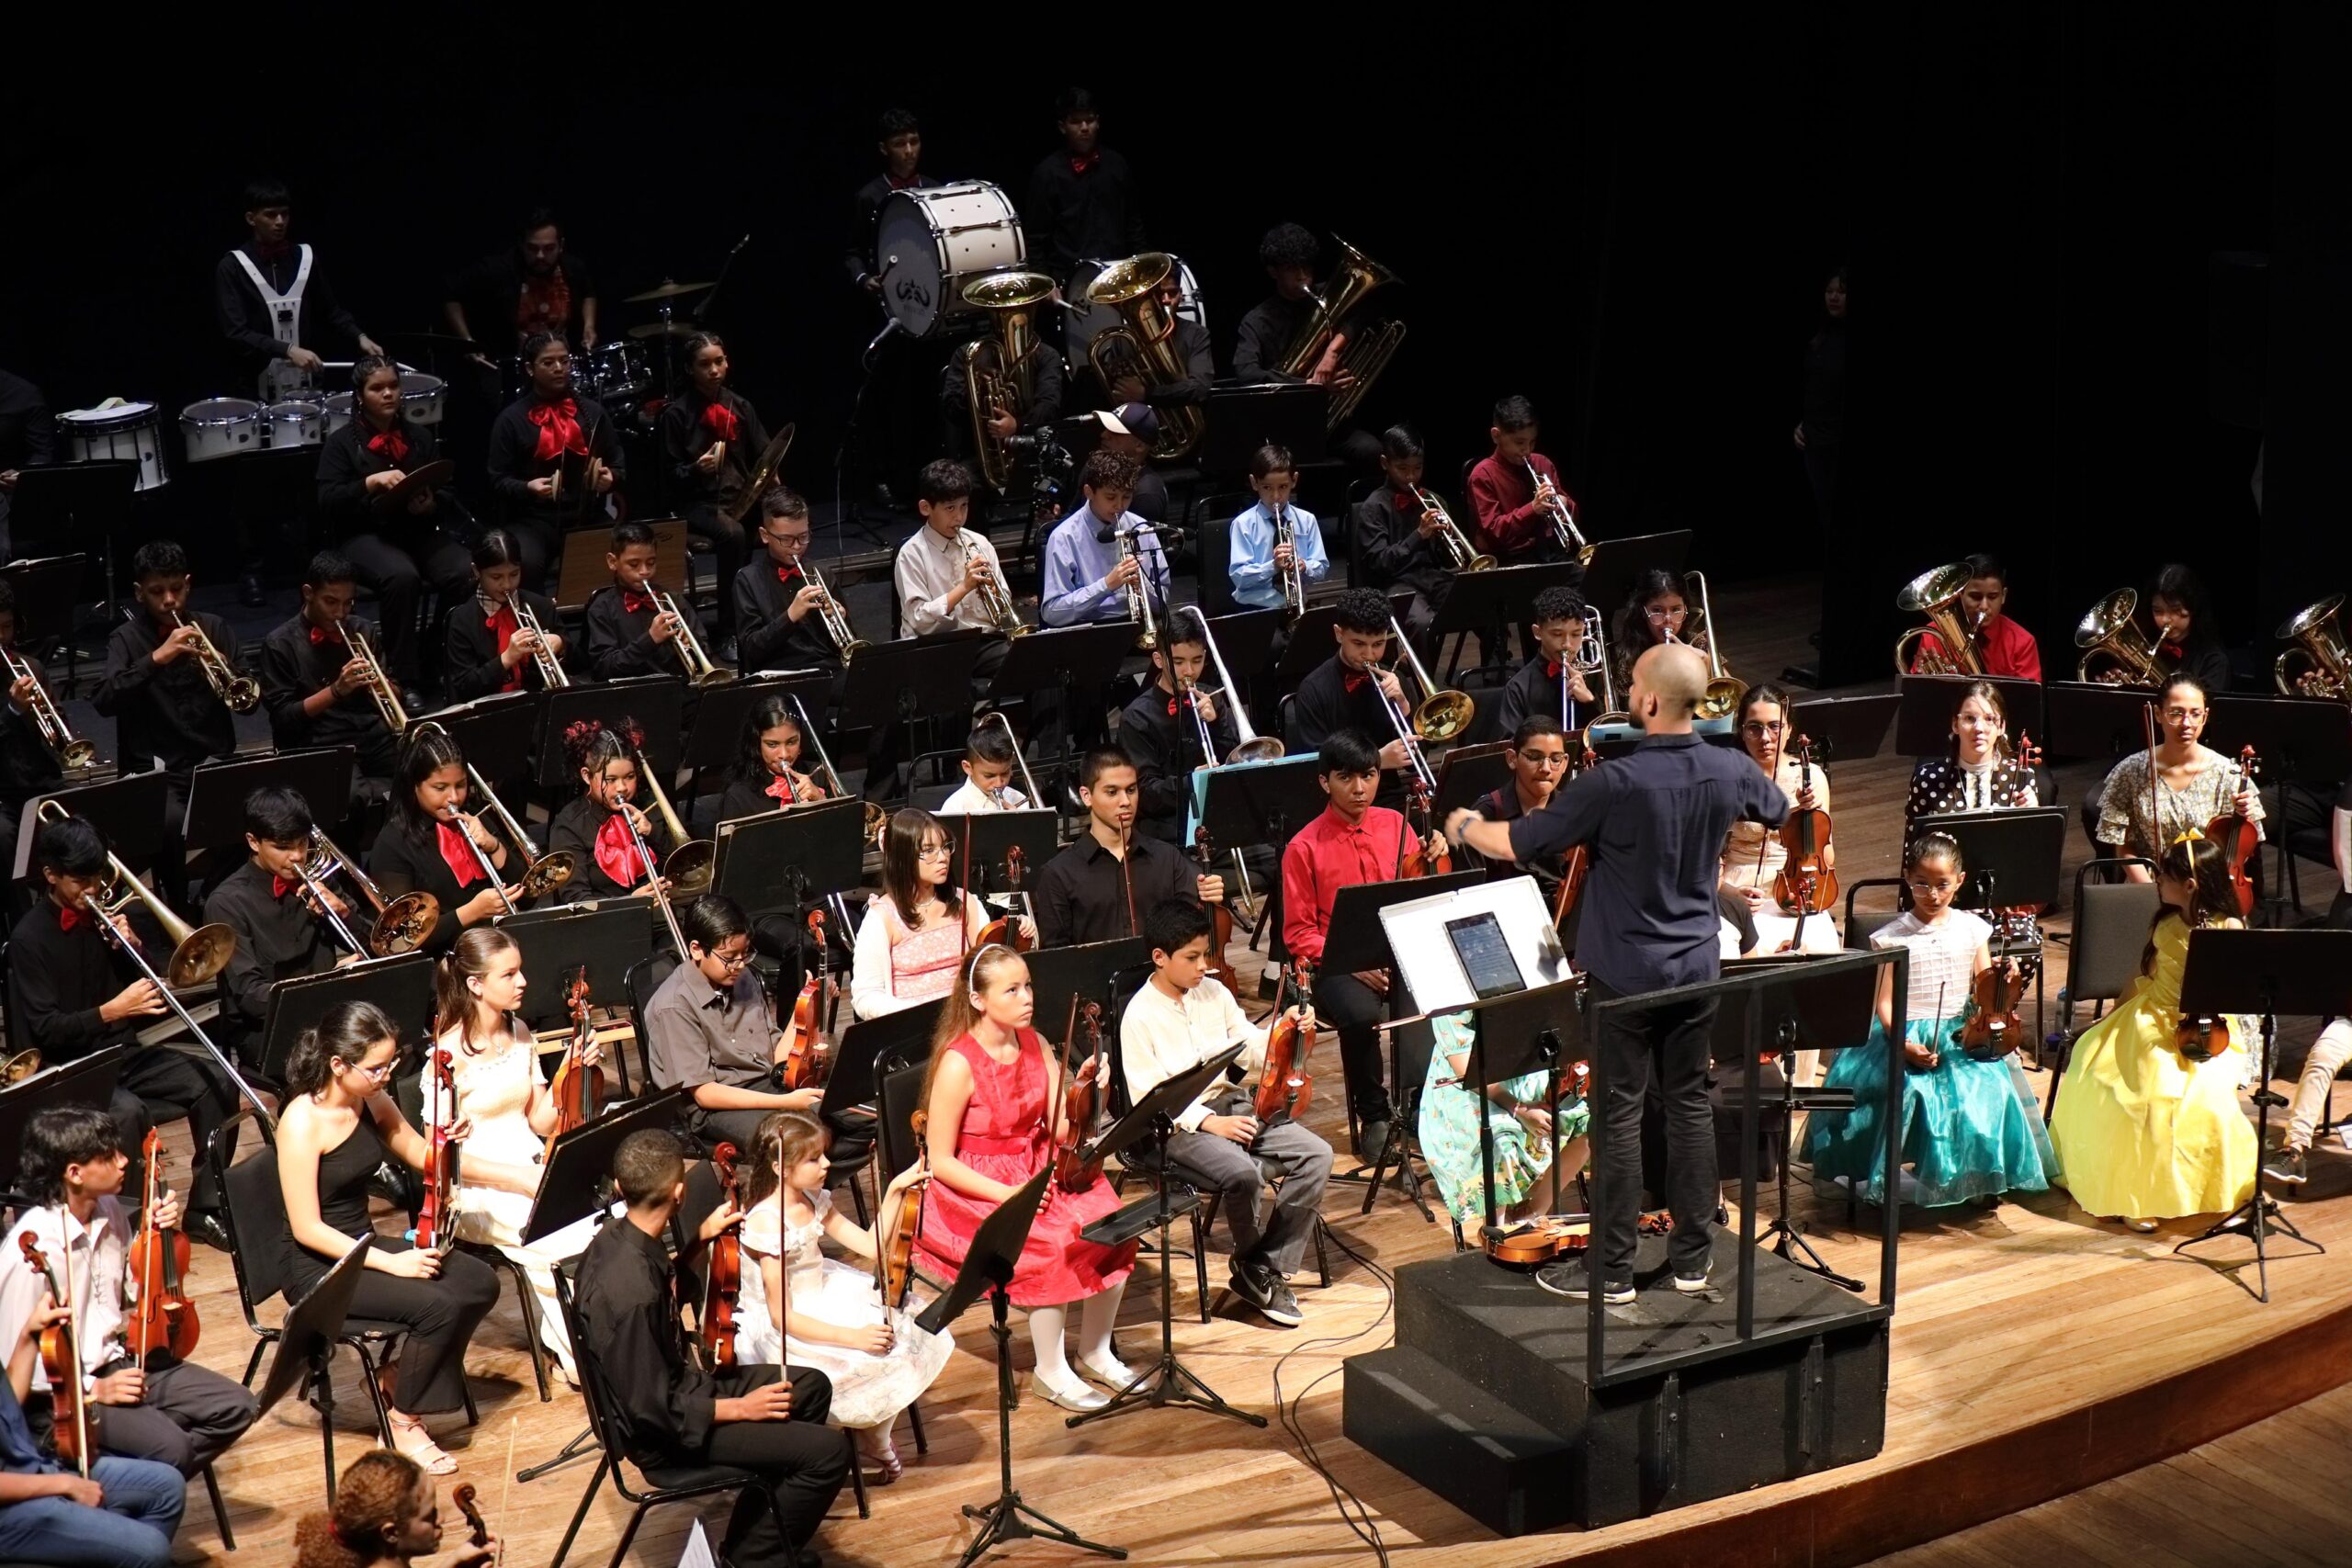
{"x":1130,"y":419}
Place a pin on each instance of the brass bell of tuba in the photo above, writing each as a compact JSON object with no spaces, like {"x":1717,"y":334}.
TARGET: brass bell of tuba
{"x":2109,"y":633}
{"x":1935,"y":595}
{"x":2326,"y":660}
{"x":1352,"y":282}
{"x":1144,"y":343}
{"x":997,"y":369}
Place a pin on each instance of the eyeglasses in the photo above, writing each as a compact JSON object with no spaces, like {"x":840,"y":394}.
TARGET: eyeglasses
{"x":729,"y":960}
{"x":943,"y":851}
{"x":1545,"y":759}
{"x":376,"y":1074}
{"x":1933,"y":887}
{"x":2183,"y":714}
{"x":1760,"y":730}
{"x":774,"y":538}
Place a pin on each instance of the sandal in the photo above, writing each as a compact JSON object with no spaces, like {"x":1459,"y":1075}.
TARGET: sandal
{"x":884,"y":1457}
{"x":411,"y":1440}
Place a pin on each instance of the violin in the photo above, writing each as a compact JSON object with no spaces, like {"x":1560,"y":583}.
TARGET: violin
{"x":1805,"y":885}
{"x":76,"y":1424}
{"x":722,"y":1277}
{"x":2200,"y":1037}
{"x":435,"y":1214}
{"x":1282,"y":1084}
{"x":1005,"y":930}
{"x":463,"y":1496}
{"x":891,"y":1273}
{"x":799,"y":1068}
{"x":1417,"y":861}
{"x":1992,"y":1031}
{"x":1072,"y":1171}
{"x":1530,"y":1244}
{"x":2239,"y":839}
{"x":1220,"y":919}
{"x":578,"y":1087}
{"x":164,"y":1318}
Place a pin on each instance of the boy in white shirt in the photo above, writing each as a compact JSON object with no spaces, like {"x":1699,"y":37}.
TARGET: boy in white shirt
{"x":991,"y":759}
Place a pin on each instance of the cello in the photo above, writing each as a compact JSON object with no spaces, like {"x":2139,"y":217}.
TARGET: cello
{"x":1284,"y":1086}
{"x":2238,"y":837}
{"x":164,"y":1319}
{"x":722,"y":1275}
{"x":77,"y":1425}
{"x":436,"y":1218}
{"x":579,"y":1086}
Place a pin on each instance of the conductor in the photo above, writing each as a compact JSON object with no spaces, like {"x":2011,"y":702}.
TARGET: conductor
{"x":1656,"y":820}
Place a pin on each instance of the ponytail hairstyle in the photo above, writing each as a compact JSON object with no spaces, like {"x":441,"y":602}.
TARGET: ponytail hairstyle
{"x":345,"y":1032}
{"x":381,"y":1488}
{"x":591,"y":747}
{"x":1986,"y":691}
{"x":770,"y":711}
{"x":963,"y":1010}
{"x":784,"y":1140}
{"x":453,"y":999}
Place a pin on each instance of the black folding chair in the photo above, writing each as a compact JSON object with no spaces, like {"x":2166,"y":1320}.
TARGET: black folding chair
{"x":2111,"y":921}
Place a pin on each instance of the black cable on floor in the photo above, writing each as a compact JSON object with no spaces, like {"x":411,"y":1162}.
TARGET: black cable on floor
{"x":1353,"y":1511}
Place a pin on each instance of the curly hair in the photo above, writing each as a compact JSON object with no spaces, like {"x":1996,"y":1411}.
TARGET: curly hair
{"x":381,"y":1488}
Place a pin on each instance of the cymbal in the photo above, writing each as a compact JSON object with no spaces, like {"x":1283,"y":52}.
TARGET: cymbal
{"x":665,"y":329}
{"x":670,"y":290}
{"x":416,"y":481}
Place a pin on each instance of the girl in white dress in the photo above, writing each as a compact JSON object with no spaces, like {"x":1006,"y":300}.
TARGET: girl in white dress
{"x":831,"y":1312}
{"x":493,"y":1061}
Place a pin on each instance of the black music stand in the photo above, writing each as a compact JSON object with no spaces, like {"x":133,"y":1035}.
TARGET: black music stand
{"x":605,"y":938}
{"x":128,"y":810}
{"x":1923,"y":723}
{"x":2265,"y":973}
{"x":1467,"y":773}
{"x":980,"y":846}
{"x":656,"y":703}
{"x":1085,"y":971}
{"x":1063,"y":657}
{"x":2300,"y":739}
{"x":215,"y":818}
{"x":1240,"y":417}
{"x":1847,"y":729}
{"x":1609,"y":576}
{"x":713,"y":738}
{"x":306,"y":1343}
{"x":2012,"y":856}
{"x":2091,"y":719}
{"x":1538,"y":1031}
{"x":1168,"y":1381}
{"x":987,"y":1269}
{"x":1244,"y":637}
{"x":1259,"y":803}
{"x":87,"y":1080}
{"x":60,"y":509}
{"x":401,"y":986}
{"x":786,"y":860}
{"x":1481,"y":603}
{"x":850,"y":1083}
{"x":914,"y":677}
{"x":49,"y":590}
{"x":496,"y":733}
{"x":1311,"y":641}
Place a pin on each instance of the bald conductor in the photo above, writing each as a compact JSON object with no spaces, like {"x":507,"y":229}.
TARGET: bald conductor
{"x":1655,"y":820}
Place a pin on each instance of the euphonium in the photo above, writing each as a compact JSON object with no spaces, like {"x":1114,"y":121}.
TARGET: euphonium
{"x":197,"y":953}
{"x":1354,"y":279}
{"x":995,"y":601}
{"x":73,"y":755}
{"x":1147,"y":335}
{"x":2109,"y":632}
{"x":1934,"y":595}
{"x":18,"y":1066}
{"x":1723,"y":689}
{"x":2327,"y":662}
{"x":1450,"y":536}
{"x":239,"y":694}
{"x":997,"y":370}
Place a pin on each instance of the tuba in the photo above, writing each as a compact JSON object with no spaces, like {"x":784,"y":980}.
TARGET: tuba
{"x":997,"y":374}
{"x":2326,"y":661}
{"x":1144,"y":343}
{"x":1934,"y":595}
{"x":2109,"y":632}
{"x":1356,"y":277}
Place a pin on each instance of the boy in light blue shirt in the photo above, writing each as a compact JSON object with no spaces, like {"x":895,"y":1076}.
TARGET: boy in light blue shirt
{"x":1087,"y":577}
{"x":1255,"y":561}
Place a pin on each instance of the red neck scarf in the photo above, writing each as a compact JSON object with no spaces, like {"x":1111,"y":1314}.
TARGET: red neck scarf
{"x":390,"y":446}
{"x":68,"y":916}
{"x":780,"y":790}
{"x":501,"y":628}
{"x":616,"y":853}
{"x":558,"y":425}
{"x":1354,"y":680}
{"x":458,"y":853}
{"x":720,"y":421}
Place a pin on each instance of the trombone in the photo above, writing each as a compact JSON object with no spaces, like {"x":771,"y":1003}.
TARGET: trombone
{"x":700,"y":671}
{"x":380,"y":685}
{"x":401,"y":925}
{"x":1251,"y":747}
{"x":689,"y":865}
{"x":1564,"y":522}
{"x":653,"y":874}
{"x":1292,"y":579}
{"x":197,"y":953}
{"x":73,"y":755}
{"x":541,"y":874}
{"x":995,"y":603}
{"x":1450,"y":536}
{"x":239,"y":694}
{"x":1723,"y":690}
{"x":553,"y":674}
{"x":836,"y":619}
{"x":1441,"y":715}
{"x":1592,"y":659}
{"x":1018,"y":758}
{"x":877,"y":819}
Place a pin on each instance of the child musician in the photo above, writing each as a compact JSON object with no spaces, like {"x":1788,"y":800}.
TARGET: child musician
{"x":281,"y":935}
{"x":73,"y":1166}
{"x":509,"y":1111}
{"x":1397,"y":536}
{"x":1753,"y":855}
{"x":831,"y":1314}
{"x":991,"y":758}
{"x":591,"y":828}
{"x":1353,"y":691}
{"x":28,"y":767}
{"x":1963,"y":1129}
{"x":996,"y":1109}
{"x":488,"y":649}
{"x":778,"y":623}
{"x":122,"y":1514}
{"x":430,"y":843}
{"x":1160,"y":736}
{"x":1088,"y":576}
{"x":1537,"y":755}
{"x":1103,"y":882}
{"x":1656,"y":611}
{"x":1515,"y":491}
{"x":628,"y":631}
{"x":712,"y":1034}
{"x":1260,"y":559}
{"x":711,"y":437}
{"x":532,"y":441}
{"x":666,"y":1407}
{"x":314,"y":684}
{"x":336,"y":1124}
{"x":770,"y":774}
{"x":1551,"y":682}
{"x":1526,"y":1183}
{"x":166,"y":714}
{"x":918,"y":929}
{"x":1179,"y":1019}
{"x":1983,"y":773}
{"x":2005,"y":647}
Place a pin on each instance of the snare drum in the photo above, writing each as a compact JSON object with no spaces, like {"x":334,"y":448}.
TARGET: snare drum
{"x":125,"y":432}
{"x":220,"y":427}
{"x":285,"y":425}
{"x":932,"y":243}
{"x":338,"y":411}
{"x":420,"y":398}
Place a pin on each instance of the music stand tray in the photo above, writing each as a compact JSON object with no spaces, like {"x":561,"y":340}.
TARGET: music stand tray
{"x":656,"y":703}
{"x":87,"y":1080}
{"x":713,"y":738}
{"x":1923,"y":723}
{"x":1052,"y":656}
{"x":215,"y":818}
{"x":401,"y":986}
{"x":1609,"y":576}
{"x":1480,"y":600}
{"x":1240,"y":417}
{"x":780,"y":859}
{"x":2012,"y":856}
{"x":1087,"y":970}
{"x":605,"y":938}
{"x":577,"y":1180}
{"x":1849,"y":728}
{"x":2091,"y":719}
{"x":127,"y":809}
{"x":496,"y":732}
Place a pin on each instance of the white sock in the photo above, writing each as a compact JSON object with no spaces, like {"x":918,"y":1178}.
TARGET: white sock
{"x":1046,"y":1324}
{"x":1096,"y":1318}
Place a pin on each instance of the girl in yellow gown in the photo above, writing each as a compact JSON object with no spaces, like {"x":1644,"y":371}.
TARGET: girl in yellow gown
{"x":2142,"y":1133}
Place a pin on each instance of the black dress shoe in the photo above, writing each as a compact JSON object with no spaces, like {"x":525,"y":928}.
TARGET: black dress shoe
{"x":205,"y":1226}
{"x":1371,"y":1142}
{"x":249,"y":593}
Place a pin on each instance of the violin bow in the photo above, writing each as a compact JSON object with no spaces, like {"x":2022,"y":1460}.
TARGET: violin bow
{"x":507,"y":1496}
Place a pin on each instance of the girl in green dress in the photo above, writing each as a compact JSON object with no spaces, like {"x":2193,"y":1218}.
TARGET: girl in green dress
{"x":1526,"y":1183}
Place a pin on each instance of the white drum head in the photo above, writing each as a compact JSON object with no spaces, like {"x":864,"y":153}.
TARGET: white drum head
{"x":220,"y":411}
{"x":928,"y":244}
{"x":121,"y":416}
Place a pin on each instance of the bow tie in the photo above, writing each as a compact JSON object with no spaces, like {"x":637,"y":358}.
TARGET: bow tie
{"x":321,"y":636}
{"x":390,"y":446}
{"x":634,"y":603}
{"x":279,"y":887}
{"x":68,"y":917}
{"x":786,"y":573}
{"x":1172,"y":707}
{"x":780,"y":790}
{"x":1552,"y":670}
{"x":1354,"y":680}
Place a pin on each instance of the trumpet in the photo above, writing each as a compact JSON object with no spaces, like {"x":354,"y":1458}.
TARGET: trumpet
{"x":401,"y":925}
{"x":995,"y":603}
{"x":700,"y":671}
{"x":1564,"y":522}
{"x":553,"y":674}
{"x":1293,"y":579}
{"x":2326,"y":663}
{"x":1933,"y":594}
{"x":240,"y":693}
{"x":17,"y":1068}
{"x":380,"y":685}
{"x":1723,"y":690}
{"x":689,"y":865}
{"x":653,"y":877}
{"x":541,"y":874}
{"x":877,"y":819}
{"x":1139,"y":595}
{"x":73,"y":755}
{"x":2109,"y":632}
{"x":836,"y":619}
{"x":1252,"y":748}
{"x":1441,"y":715}
{"x":1450,"y":536}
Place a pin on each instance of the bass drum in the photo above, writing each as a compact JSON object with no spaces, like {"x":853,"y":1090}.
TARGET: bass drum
{"x":1085,"y":319}
{"x":119,"y":432}
{"x":932,"y":243}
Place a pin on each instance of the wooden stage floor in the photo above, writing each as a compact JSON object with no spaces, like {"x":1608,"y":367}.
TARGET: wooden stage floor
{"x":2035,"y":1351}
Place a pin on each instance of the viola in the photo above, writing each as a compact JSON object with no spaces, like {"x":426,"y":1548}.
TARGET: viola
{"x":2239,"y":840}
{"x":578,"y":1087}
{"x":1530,"y":1244}
{"x":1220,"y":919}
{"x":800,"y":1062}
{"x":435,"y":1215}
{"x":1072,"y":1171}
{"x":164,"y":1319}
{"x":895,"y":1271}
{"x":76,"y":1424}
{"x":1005,"y":930}
{"x":1992,"y":1031}
{"x":1283,"y":1086}
{"x":1805,"y":885}
{"x":723,"y":1275}
{"x":1417,"y":861}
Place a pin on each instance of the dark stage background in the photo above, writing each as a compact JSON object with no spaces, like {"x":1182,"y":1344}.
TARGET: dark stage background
{"x":1627,"y":219}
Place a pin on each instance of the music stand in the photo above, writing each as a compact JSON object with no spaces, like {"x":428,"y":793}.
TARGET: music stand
{"x":128,"y":810}
{"x":980,"y":846}
{"x":656,"y":703}
{"x":48,"y":589}
{"x":786,"y":859}
{"x":988,"y":1268}
{"x":1923,"y":723}
{"x":1259,"y":803}
{"x":605,"y":938}
{"x":1085,"y":971}
{"x":1168,"y":1381}
{"x":1847,"y":729}
{"x":718,"y":725}
{"x":2265,"y":973}
{"x":2091,"y":719}
{"x":2012,"y":856}
{"x":1482,"y":602}
{"x":1060,"y":657}
{"x":59,"y":509}
{"x":1246,"y":638}
{"x":215,"y":818}
{"x":400,"y":985}
{"x":306,"y":1342}
{"x":1311,"y":641}
{"x":87,"y":1080}
{"x":850,"y":1083}
{"x":1608,"y":575}
{"x":1240,"y":417}
{"x":914,"y":677}
{"x":1467,"y":773}
{"x":1529,"y":1032}
{"x":496,"y":732}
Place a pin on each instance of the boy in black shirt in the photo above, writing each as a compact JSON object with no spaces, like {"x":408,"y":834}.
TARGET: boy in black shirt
{"x":1550,"y":683}
{"x":627,"y":635}
{"x":1082,"y":204}
{"x":314,"y":682}
{"x":1158,"y":732}
{"x":779,"y":622}
{"x":1345,"y":691}
{"x":28,"y":767}
{"x":1288,"y":253}
{"x":278,"y":935}
{"x":1106,"y":880}
{"x":278,"y":333}
{"x":1396,"y":538}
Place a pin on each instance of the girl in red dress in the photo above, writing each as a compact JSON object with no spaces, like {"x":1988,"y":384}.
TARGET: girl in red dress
{"x":990,"y":1083}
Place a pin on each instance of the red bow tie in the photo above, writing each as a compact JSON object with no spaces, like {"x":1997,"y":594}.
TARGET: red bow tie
{"x":1172,"y":707}
{"x":779,"y":790}
{"x":720,"y":421}
{"x":633,"y":602}
{"x":1079,"y":166}
{"x":1551,"y":669}
{"x":786,"y":573}
{"x":1355,"y":680}
{"x":68,"y":917}
{"x":279,"y":887}
{"x":321,"y":636}
{"x":616,"y":851}
{"x":390,"y":446}
{"x":558,"y":425}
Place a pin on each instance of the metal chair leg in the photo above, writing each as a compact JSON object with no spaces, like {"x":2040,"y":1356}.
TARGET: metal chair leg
{"x":219,"y":1511}
{"x":588,"y":1496}
{"x":857,"y":1475}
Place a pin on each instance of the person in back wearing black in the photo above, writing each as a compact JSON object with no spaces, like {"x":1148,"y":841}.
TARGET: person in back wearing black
{"x":531,"y":442}
{"x":1345,"y":691}
{"x":27,"y":440}
{"x":71,"y":993}
{"x":1160,"y":735}
{"x":1551,"y":682}
{"x":1656,"y":820}
{"x":1107,"y":879}
{"x":430,"y":843}
{"x":2184,"y":616}
{"x":280,"y":936}
{"x":166,"y":714}
{"x":1396,"y":538}
{"x":28,"y":767}
{"x":486,"y":648}
{"x":779,"y":622}
{"x":711,"y":439}
{"x":535,"y":286}
{"x":892,"y":422}
{"x":1264,"y":340}
{"x":628,"y":634}
{"x":669,"y":1412}
{"x":272,"y":300}
{"x":1082,"y":201}
{"x":314,"y":682}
